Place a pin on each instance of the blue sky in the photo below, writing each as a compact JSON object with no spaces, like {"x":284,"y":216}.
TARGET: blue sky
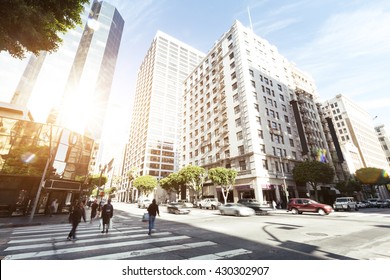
{"x":343,"y":45}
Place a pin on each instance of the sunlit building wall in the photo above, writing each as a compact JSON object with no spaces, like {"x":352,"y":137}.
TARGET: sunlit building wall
{"x":354,"y":126}
{"x":384,"y":138}
{"x":153,"y":146}
{"x":238,"y":113}
{"x":72,"y":85}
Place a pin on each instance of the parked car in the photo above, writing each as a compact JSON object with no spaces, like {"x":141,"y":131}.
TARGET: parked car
{"x":300,"y":205}
{"x":382,"y":203}
{"x":345,"y":204}
{"x":235,"y":209}
{"x":209,"y":203}
{"x":372,"y":202}
{"x":186,"y":203}
{"x":362,"y":204}
{"x":178,"y":208}
{"x":254,"y":204}
{"x":144,"y":203}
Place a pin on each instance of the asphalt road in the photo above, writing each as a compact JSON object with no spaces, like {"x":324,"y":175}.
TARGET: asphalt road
{"x":206,"y":235}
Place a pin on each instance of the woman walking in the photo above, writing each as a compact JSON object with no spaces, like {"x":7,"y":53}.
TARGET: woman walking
{"x":152,"y":210}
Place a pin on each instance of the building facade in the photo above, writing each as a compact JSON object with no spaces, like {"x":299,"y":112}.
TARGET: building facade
{"x":246,"y":107}
{"x":384,"y":138}
{"x":153,"y":146}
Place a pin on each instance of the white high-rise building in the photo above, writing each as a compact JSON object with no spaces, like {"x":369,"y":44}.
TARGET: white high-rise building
{"x":246,"y":107}
{"x":153,"y":146}
{"x":356,"y":134}
{"x":384,"y":138}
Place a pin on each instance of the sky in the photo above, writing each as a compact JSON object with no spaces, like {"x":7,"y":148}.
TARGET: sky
{"x":343,"y":45}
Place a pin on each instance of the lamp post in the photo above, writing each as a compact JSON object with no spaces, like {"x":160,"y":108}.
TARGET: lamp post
{"x":100,"y":178}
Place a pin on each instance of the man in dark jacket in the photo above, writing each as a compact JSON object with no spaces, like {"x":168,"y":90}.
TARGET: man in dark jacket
{"x":77,"y":212}
{"x":107,"y":213}
{"x":94,"y":207}
{"x":152,"y":210}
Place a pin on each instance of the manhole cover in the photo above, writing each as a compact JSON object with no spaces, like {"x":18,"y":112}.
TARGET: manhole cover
{"x":316,"y":234}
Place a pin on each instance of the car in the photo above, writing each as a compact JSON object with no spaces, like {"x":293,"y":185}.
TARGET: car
{"x":144,"y":203}
{"x":300,"y":205}
{"x":345,"y":204}
{"x":178,"y":208}
{"x":254,"y":204}
{"x":382,"y":203}
{"x":372,"y":202}
{"x":186,"y":203}
{"x":209,"y":203}
{"x":235,"y":209}
{"x":362,"y":204}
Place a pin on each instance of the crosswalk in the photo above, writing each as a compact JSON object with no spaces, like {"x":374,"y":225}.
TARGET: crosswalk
{"x":122,"y":242}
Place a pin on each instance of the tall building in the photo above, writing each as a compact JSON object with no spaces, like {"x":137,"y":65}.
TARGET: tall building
{"x":384,"y":138}
{"x":75,"y":80}
{"x":153,"y":146}
{"x":247,"y":108}
{"x":356,"y":134}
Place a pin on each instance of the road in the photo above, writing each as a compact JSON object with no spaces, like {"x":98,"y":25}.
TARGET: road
{"x":206,"y":235}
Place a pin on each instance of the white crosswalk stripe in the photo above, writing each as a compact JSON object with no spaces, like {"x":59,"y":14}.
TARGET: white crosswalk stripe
{"x":122,"y":242}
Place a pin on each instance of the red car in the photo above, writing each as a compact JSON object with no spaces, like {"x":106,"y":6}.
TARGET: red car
{"x":300,"y":205}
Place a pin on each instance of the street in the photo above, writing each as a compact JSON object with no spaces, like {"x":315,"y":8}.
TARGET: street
{"x":206,"y":235}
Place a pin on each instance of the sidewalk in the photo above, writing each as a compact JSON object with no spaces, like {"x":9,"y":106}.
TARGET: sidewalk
{"x":39,"y":219}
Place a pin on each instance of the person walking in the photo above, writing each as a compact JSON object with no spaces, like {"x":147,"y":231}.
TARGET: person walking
{"x":94,"y":207}
{"x":77,"y":212}
{"x":107,"y":213}
{"x":53,"y":207}
{"x":152,"y":210}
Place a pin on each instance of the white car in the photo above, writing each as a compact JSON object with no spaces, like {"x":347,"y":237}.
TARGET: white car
{"x":235,"y":209}
{"x":209,"y":203}
{"x":144,"y":203}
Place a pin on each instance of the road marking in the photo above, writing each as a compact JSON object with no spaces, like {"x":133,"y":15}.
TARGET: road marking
{"x":63,"y":235}
{"x":93,"y":247}
{"x":222,"y":255}
{"x":145,"y":252}
{"x":61,"y":243}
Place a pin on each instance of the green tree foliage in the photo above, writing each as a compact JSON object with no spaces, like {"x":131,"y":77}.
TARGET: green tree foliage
{"x":348,"y":188}
{"x":34,"y":26}
{"x":371,"y":176}
{"x":313,"y":173}
{"x":223,"y":177}
{"x":193,"y":177}
{"x":145,"y":184}
{"x":172,"y":183}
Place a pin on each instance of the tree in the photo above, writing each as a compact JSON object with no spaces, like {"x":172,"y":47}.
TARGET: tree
{"x":223,"y":177}
{"x":34,"y":26}
{"x":193,"y":177}
{"x":145,"y":184}
{"x":313,"y":173}
{"x":172,"y":183}
{"x":131,"y":175}
{"x":348,"y":188}
{"x":372,"y":177}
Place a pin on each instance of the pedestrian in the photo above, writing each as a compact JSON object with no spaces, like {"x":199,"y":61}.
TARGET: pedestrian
{"x":53,"y":207}
{"x":77,"y":212}
{"x":273,"y":204}
{"x":94,"y":207}
{"x":107,"y":213}
{"x":152,"y":210}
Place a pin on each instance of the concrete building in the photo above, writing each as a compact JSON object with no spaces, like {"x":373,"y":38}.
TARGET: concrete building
{"x":384,"y":138}
{"x":246,"y":107}
{"x":353,"y":125}
{"x":153,"y":146}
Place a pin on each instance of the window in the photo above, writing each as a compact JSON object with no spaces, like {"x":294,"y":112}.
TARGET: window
{"x":231,"y":56}
{"x":265,"y":164}
{"x":239,"y":135}
{"x":238,"y":122}
{"x":286,"y":119}
{"x":251,"y":72}
{"x":260,"y":134}
{"x":242,"y":164}
{"x":235,"y":97}
{"x":241,"y":150}
{"x":237,"y":109}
